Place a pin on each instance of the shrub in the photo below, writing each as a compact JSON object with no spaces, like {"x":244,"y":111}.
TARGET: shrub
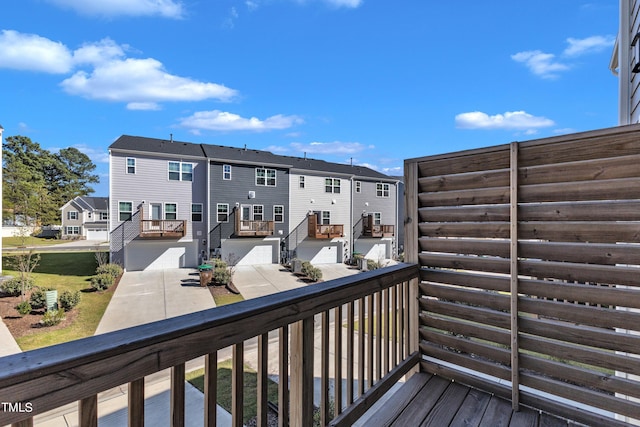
{"x":24,"y":308}
{"x":314,"y":274}
{"x":68,"y":300}
{"x":38,"y":298}
{"x":306,"y":267}
{"x":372,"y":265}
{"x":221,"y":275}
{"x":52,"y":317}
{"x":219,"y":263}
{"x":13,"y":287}
{"x":114,"y":270}
{"x":102,"y":281}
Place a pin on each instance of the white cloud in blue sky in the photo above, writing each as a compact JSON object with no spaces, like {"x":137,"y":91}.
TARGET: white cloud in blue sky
{"x":30,"y":52}
{"x":511,"y":120}
{"x":335,"y":147}
{"x":217,"y":120}
{"x":164,"y":8}
{"x":549,"y":66}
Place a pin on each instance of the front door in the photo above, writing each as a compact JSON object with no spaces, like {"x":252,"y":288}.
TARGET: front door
{"x":245,"y":217}
{"x":155,"y":214}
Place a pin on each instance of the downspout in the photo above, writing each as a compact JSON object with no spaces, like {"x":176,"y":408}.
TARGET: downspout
{"x":352,"y":244}
{"x":397,"y":223}
{"x":209,"y":209}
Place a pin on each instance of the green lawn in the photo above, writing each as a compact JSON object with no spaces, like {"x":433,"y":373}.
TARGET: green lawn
{"x":13,"y":242}
{"x":66,"y":271}
{"x":196,"y":378}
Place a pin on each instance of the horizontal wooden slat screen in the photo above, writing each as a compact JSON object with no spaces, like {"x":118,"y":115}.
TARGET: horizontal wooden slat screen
{"x":577,"y":265}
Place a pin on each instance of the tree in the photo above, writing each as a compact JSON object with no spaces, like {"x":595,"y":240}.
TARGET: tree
{"x":37,"y":182}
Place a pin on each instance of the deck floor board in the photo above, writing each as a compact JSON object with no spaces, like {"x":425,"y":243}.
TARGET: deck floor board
{"x":430,"y":400}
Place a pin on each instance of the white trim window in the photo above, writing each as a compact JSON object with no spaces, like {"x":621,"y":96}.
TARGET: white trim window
{"x":278,"y":213}
{"x":326,"y":218}
{"x":125,"y":211}
{"x":226,"y":172}
{"x":358,"y":187}
{"x":382,"y":190}
{"x":104,"y":216}
{"x":73,"y":230}
{"x":196,"y":212}
{"x":258,"y":212}
{"x":377,"y":218}
{"x":222,"y":212}
{"x":266,"y":177}
{"x":170,"y":211}
{"x":131,"y":165}
{"x":179,"y":171}
{"x":301,"y":182}
{"x":332,"y":185}
{"x":72,"y":215}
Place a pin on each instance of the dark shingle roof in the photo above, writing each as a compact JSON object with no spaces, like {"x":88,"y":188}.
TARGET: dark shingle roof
{"x":243,"y":155}
{"x":154,"y":145}
{"x":97,"y":203}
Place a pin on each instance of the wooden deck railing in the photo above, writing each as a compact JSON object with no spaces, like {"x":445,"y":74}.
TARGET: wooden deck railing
{"x":154,"y":228}
{"x":254,"y":228}
{"x":374,"y":350}
{"x":369,"y":229}
{"x":324,"y":231}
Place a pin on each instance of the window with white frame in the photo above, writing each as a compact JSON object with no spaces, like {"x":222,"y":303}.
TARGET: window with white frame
{"x":170,"y":211}
{"x":73,"y":229}
{"x":278,"y":213}
{"x":125,"y":211}
{"x":131,"y":165}
{"x":301,"y":181}
{"x":332,"y":185}
{"x":382,"y":190}
{"x":222,"y":210}
{"x":377,"y":218}
{"x":358,"y":187}
{"x":179,"y":171}
{"x":196,"y":212}
{"x":266,"y":177}
{"x":258,"y":212}
{"x":104,"y":216}
{"x":226,"y":172}
{"x":326,"y":217}
{"x":72,"y":215}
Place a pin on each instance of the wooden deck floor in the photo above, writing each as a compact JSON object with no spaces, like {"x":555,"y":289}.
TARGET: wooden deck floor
{"x":429,"y":400}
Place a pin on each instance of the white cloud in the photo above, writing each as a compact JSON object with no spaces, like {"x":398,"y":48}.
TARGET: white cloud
{"x":141,"y":80}
{"x":540,"y":63}
{"x":517,"y":120}
{"x":344,"y":3}
{"x":147,"y":106}
{"x":217,"y":120}
{"x":587,"y":45}
{"x":164,"y":8}
{"x":31,"y":52}
{"x":97,"y":156}
{"x":335,"y":147}
{"x":394,"y":171}
{"x":98,"y":53}
{"x":548,"y":66}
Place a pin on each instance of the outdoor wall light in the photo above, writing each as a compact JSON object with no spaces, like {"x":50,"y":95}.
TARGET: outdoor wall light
{"x":311,"y":200}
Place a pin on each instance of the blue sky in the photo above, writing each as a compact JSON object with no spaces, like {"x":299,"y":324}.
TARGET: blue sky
{"x":371,"y":81}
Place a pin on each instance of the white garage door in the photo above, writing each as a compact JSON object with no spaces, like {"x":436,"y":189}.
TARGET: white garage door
{"x":96,"y":234}
{"x":320,"y":252}
{"x":250,"y":251}
{"x":160,"y":255}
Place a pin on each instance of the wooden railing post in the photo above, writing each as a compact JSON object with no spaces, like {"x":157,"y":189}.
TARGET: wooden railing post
{"x":210,"y":389}
{"x":302,"y":373}
{"x":177,"y":395}
{"x":136,"y":403}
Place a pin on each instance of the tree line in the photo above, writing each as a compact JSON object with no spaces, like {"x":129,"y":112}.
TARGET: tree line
{"x":36,"y":182}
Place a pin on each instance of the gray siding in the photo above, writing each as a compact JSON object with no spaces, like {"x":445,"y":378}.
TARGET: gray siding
{"x":151,"y":184}
{"x":237,"y":191}
{"x":367,"y":201}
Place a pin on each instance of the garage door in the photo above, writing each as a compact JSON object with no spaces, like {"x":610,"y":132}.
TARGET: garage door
{"x":96,"y":234}
{"x":374,"y":249}
{"x":160,"y":255}
{"x":250,"y":251}
{"x":319,"y":252}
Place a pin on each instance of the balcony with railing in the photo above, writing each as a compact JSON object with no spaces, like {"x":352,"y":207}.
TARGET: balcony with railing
{"x":371,"y":229}
{"x":323,"y":231}
{"x":250,"y":228}
{"x":520,"y":307}
{"x":162,"y":228}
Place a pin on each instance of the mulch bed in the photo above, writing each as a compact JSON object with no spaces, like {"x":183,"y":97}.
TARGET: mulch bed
{"x":20,"y":326}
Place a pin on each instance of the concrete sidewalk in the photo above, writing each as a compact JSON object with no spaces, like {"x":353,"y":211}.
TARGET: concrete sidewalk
{"x":8,"y":344}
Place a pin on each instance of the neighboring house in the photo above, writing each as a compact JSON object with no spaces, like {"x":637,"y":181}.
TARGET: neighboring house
{"x":246,"y":206}
{"x":625,"y":62}
{"x":158,"y":203}
{"x":249,"y":204}
{"x":86,"y":217}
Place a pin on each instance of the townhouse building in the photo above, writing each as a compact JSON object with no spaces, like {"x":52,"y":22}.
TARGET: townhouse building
{"x":175,"y":204}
